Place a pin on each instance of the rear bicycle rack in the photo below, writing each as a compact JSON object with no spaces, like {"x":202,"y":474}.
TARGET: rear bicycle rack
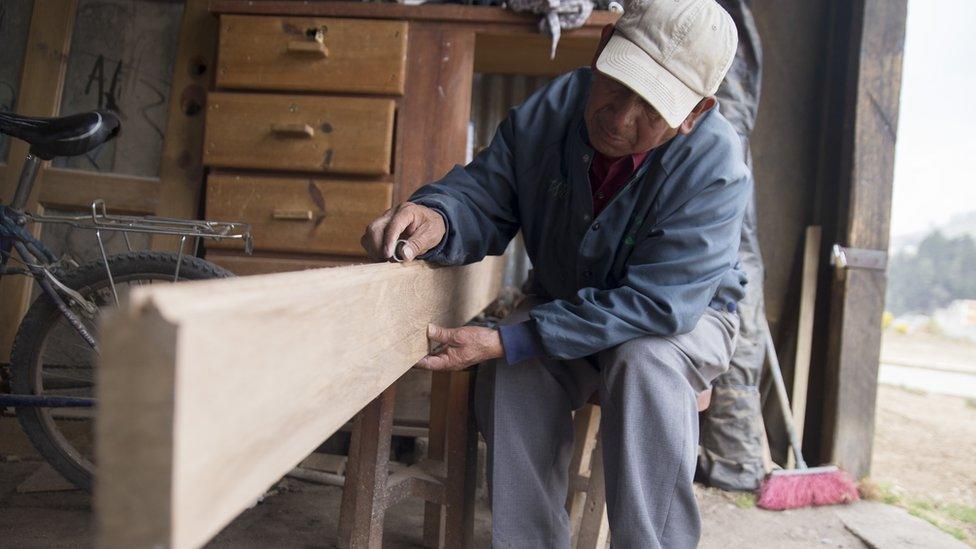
{"x":100,"y":220}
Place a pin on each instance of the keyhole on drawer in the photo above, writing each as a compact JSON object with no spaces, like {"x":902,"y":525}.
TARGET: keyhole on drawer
{"x":328,"y":157}
{"x":317,"y":33}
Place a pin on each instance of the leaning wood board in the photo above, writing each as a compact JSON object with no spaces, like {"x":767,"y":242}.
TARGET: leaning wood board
{"x":210,"y":391}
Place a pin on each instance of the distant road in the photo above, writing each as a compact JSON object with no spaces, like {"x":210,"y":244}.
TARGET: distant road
{"x":928,"y":362}
{"x":931,"y":379}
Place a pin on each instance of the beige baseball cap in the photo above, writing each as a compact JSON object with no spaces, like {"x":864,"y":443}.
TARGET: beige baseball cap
{"x":672,"y":53}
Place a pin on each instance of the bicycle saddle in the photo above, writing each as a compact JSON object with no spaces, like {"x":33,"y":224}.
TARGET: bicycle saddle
{"x":64,"y":136}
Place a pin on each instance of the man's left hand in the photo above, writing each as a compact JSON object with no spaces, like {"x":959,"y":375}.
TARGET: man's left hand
{"x":461,"y":347}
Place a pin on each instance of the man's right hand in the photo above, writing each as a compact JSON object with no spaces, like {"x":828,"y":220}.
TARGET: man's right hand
{"x":421,"y":227}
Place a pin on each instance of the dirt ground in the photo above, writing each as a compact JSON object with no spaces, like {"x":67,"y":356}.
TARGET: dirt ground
{"x":923,"y":462}
{"x":924,"y":449}
{"x":300,"y":514}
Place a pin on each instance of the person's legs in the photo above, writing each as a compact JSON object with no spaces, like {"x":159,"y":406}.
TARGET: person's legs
{"x":649,"y":430}
{"x":525,"y":414}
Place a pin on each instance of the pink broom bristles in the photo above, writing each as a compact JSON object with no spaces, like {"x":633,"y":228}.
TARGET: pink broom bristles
{"x":813,"y":486}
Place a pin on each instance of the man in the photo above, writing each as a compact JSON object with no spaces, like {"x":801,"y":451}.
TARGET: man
{"x":629,"y":188}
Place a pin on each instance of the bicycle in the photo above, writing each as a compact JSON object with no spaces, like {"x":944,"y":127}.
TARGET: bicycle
{"x":54,"y":355}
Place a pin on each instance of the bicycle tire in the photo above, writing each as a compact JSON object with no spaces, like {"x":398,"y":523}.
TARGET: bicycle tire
{"x":43,"y":314}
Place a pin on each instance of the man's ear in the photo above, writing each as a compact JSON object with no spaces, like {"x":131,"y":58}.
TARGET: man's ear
{"x":605,"y":35}
{"x":695,"y":115}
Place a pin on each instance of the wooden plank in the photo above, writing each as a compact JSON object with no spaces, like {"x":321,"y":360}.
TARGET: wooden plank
{"x":355,"y":56}
{"x":858,"y":294}
{"x":76,"y":189}
{"x":299,"y":132}
{"x":211,"y":391}
{"x":804,"y":336}
{"x":298,"y":215}
{"x":40,"y":95}
{"x":181,"y":165}
{"x":475,"y":16}
{"x":528,"y":54}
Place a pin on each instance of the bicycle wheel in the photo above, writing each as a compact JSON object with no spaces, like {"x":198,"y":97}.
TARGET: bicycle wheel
{"x":50,"y":358}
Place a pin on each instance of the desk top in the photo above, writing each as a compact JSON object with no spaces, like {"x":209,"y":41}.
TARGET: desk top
{"x":487,"y":17}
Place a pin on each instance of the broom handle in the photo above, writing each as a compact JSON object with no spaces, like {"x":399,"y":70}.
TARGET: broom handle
{"x":784,"y":401}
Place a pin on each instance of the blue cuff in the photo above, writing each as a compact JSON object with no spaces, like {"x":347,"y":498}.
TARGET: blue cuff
{"x":521,"y":341}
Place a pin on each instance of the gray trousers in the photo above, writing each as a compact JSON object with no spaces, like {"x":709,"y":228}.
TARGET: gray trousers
{"x":649,"y":431}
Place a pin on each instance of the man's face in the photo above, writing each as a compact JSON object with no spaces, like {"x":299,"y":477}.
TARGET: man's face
{"x":619,"y":122}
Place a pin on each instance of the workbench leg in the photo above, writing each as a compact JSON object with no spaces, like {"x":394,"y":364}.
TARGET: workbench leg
{"x":455,"y":438}
{"x":364,"y":493}
{"x":462,"y":461}
{"x":440,"y":385}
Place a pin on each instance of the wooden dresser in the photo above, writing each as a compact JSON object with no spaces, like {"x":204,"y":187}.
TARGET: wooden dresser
{"x":325,"y":114}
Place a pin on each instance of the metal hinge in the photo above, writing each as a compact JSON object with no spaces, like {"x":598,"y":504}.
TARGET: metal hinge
{"x":858,"y":258}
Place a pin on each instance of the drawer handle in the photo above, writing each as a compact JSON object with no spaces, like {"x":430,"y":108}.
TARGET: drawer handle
{"x":292,"y":215}
{"x":293,"y":130}
{"x":317,"y":49}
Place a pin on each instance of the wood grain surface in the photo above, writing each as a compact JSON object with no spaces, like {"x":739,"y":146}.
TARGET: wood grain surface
{"x":298,"y":215}
{"x":354,"y":56}
{"x":211,"y":391}
{"x":352,"y":135}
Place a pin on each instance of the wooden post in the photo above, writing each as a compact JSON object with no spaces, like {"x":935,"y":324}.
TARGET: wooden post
{"x":858,"y":294}
{"x":364,"y":495}
{"x":45,"y":62}
{"x":181,"y":165}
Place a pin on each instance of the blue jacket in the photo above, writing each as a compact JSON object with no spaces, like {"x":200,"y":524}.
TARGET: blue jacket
{"x":661,"y":251}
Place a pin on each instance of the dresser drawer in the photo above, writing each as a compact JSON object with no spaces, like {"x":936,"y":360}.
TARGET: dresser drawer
{"x":298,"y":215}
{"x":312,"y":54}
{"x":299,"y":132}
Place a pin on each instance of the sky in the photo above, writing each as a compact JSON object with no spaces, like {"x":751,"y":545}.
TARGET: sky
{"x":935,"y":157}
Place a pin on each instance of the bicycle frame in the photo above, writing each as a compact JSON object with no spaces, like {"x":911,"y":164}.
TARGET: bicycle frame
{"x":38,"y":259}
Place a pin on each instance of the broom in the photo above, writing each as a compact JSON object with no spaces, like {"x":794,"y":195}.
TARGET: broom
{"x":804,"y":486}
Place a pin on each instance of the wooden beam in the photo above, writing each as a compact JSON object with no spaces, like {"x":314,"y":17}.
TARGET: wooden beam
{"x":181,"y":165}
{"x":211,"y":391}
